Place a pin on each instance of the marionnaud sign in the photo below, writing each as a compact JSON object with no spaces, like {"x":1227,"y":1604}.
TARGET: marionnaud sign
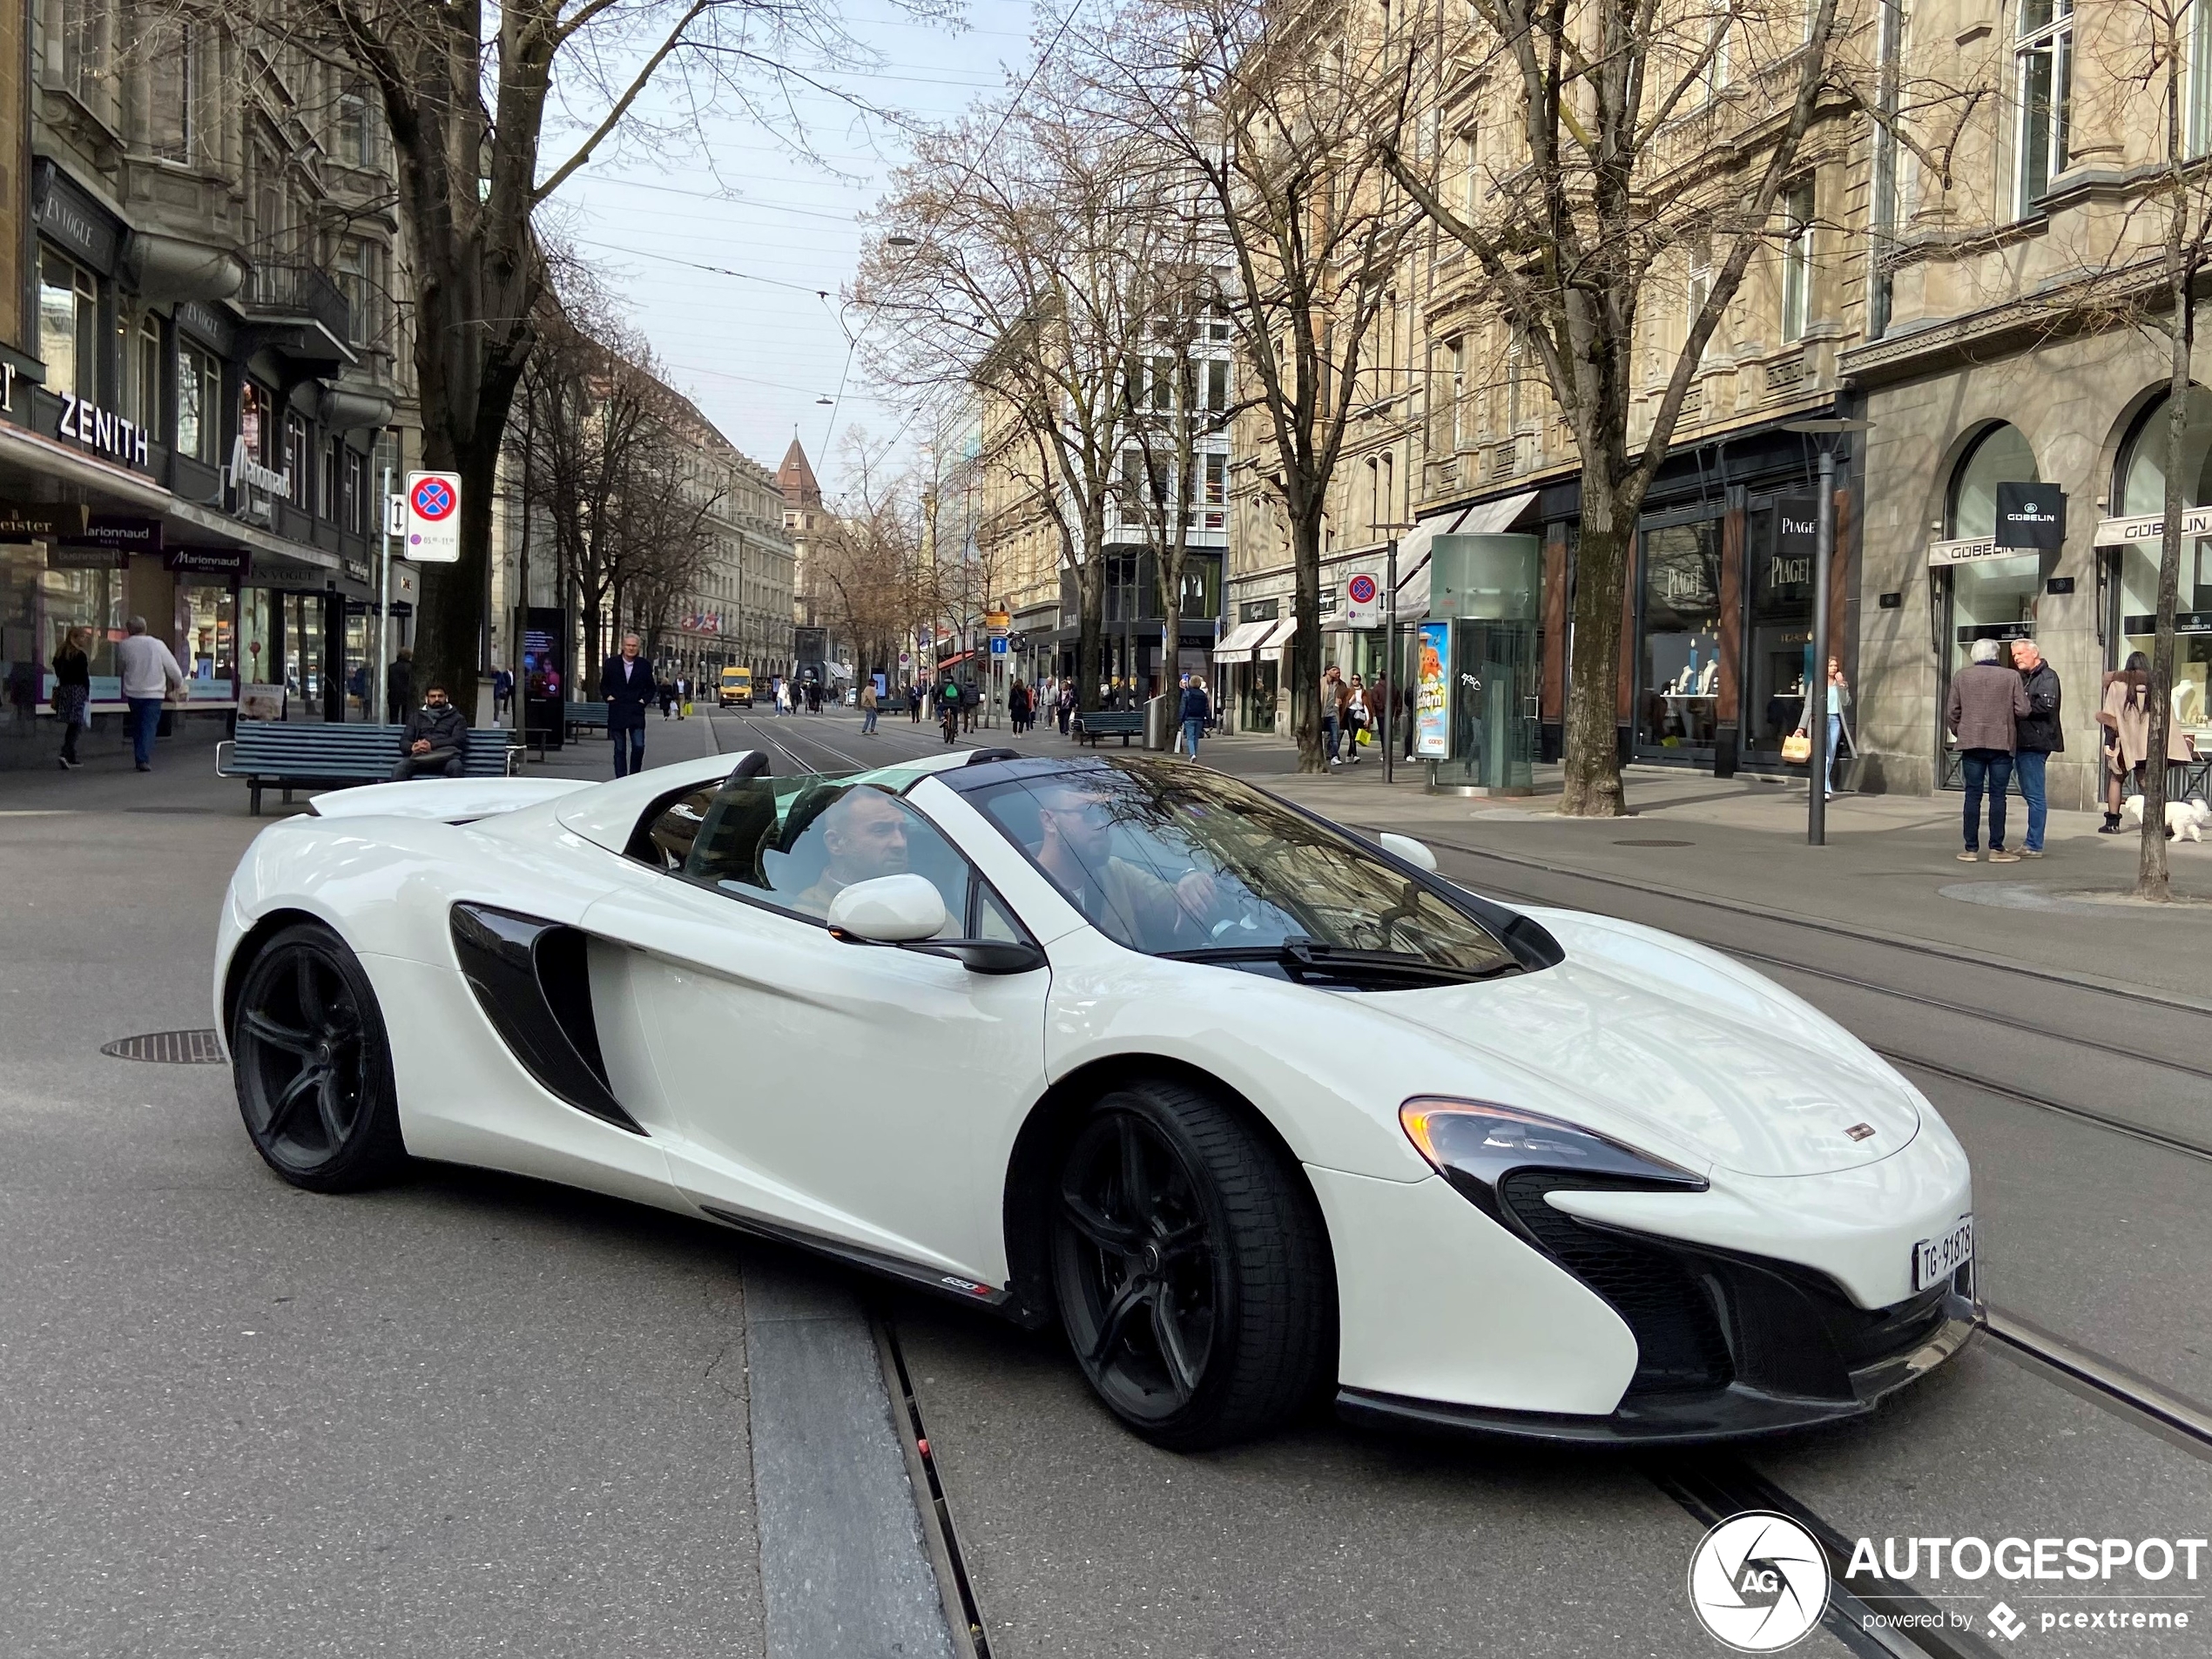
{"x":433,"y":517}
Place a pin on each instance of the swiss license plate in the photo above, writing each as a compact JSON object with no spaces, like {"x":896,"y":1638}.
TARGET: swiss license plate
{"x":1939,"y":1258}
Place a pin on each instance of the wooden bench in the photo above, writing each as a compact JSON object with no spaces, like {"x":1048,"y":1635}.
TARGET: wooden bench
{"x":587,"y":717}
{"x":298,"y":754}
{"x":1109,"y":723}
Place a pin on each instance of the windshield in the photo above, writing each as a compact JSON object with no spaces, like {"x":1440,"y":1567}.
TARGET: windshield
{"x":1171,"y":860}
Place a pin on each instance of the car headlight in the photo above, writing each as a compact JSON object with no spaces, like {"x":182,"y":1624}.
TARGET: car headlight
{"x":1476,"y":1144}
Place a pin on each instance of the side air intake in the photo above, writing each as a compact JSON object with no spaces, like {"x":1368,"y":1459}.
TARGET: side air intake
{"x":532,"y":979}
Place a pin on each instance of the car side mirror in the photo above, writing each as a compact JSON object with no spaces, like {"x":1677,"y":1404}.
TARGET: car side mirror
{"x":889,"y":910}
{"x":1414,"y":853}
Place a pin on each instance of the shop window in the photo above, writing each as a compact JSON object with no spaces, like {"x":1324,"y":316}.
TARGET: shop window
{"x":2142,"y":493}
{"x":172,"y":87}
{"x":254,"y":421}
{"x":1778,"y":657}
{"x":1995,"y":597}
{"x":69,"y":306}
{"x":2000,"y":456}
{"x":208,"y":617}
{"x":1680,"y":681}
{"x":2045,"y":56}
{"x":199,"y":392}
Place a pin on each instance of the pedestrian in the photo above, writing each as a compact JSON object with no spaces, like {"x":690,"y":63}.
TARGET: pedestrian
{"x":867,"y":706}
{"x":664,"y":693}
{"x":1066,"y":706}
{"x":151,"y":677}
{"x":1377,"y":705}
{"x":399,"y":687}
{"x":626,"y":686}
{"x":913,"y":701}
{"x":73,"y":690}
{"x":1197,"y":709}
{"x":503,"y":693}
{"x":813,"y":697}
{"x":1986,"y":703}
{"x":2037,"y":738}
{"x":1335,"y":696}
{"x":1838,"y":703}
{"x":1017,"y":704}
{"x":683,"y":697}
{"x":948,"y":708}
{"x":436,"y":741}
{"x":970,"y":696}
{"x":783,"y":697}
{"x":2125,"y":715}
{"x":1355,"y":717}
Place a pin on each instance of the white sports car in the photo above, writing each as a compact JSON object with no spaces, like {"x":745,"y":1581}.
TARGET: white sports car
{"x":1250,"y":1105}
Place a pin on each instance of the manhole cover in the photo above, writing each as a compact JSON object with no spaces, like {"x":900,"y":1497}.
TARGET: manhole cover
{"x":1655,"y":843}
{"x":168,"y":1048}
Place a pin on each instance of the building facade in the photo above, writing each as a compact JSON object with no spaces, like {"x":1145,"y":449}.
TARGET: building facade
{"x":205,"y":371}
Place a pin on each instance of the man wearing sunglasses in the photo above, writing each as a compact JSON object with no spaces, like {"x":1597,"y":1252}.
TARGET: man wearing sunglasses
{"x":1126,"y":902}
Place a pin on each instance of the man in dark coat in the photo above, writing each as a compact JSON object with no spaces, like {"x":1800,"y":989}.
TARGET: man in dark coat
{"x":626,"y":686}
{"x":435,"y":743}
{"x":2038,"y":736}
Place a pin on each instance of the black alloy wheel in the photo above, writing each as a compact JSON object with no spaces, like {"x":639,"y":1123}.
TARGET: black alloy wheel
{"x":312,"y":1068}
{"x":1190,"y":1268}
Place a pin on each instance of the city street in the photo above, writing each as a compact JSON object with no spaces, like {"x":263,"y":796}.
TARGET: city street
{"x":475,"y":1414}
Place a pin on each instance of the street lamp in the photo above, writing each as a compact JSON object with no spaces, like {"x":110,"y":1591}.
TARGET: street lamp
{"x":1396,"y":693}
{"x":1830,"y":431}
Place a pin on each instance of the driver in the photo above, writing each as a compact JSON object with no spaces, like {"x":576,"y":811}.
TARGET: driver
{"x":864,"y":832}
{"x":1126,"y":902}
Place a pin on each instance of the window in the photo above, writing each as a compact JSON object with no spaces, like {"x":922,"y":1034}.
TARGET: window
{"x":1217,"y":385}
{"x":146,"y":375}
{"x":2045,"y":51}
{"x":1470,"y":174}
{"x":300,"y":474}
{"x":793,"y":844}
{"x":200,"y":394}
{"x":253,"y":423}
{"x":1512,"y":386}
{"x":1132,"y":494}
{"x":355,"y":516}
{"x":355,"y":130}
{"x":1797,"y":261}
{"x":1163,"y":379}
{"x":1216,"y":487}
{"x":333,"y":478}
{"x":69,"y":306}
{"x":1699,"y":289}
{"x":173,"y":69}
{"x":1191,"y":863}
{"x":2000,"y":456}
{"x":1458,"y":348}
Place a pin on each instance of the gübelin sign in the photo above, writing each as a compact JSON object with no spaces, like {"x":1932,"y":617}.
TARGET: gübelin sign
{"x":2031,"y":516}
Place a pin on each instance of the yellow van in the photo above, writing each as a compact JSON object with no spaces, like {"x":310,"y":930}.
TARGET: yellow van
{"x":737,"y":688}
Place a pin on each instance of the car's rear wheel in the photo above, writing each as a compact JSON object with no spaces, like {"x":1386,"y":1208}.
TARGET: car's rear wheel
{"x":1191,"y":1267}
{"x":311,"y":1065}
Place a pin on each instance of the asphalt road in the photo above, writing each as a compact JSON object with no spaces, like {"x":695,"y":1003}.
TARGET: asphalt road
{"x":476,"y":1415}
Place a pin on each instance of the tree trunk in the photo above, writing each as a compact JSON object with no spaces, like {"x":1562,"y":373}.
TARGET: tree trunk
{"x":448,"y":637}
{"x":1602,"y":563}
{"x":1305,"y":671}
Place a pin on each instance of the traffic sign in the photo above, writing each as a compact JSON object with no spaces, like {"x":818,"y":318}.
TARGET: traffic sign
{"x":1363,"y":602}
{"x":433,"y":517}
{"x":998,"y":645}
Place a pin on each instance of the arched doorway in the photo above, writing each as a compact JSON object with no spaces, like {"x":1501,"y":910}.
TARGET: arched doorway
{"x":1981,"y":591}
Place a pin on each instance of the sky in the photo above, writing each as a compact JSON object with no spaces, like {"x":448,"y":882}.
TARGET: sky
{"x":756,"y":351}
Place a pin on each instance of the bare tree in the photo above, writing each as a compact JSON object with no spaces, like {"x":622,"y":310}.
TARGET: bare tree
{"x":1647,"y":148}
{"x":491,"y":112}
{"x":1010,"y":262}
{"x":1267,"y":127}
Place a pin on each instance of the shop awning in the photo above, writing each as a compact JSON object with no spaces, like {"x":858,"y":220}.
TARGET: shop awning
{"x":1236,"y":645}
{"x":955,"y":661}
{"x":1279,"y":634}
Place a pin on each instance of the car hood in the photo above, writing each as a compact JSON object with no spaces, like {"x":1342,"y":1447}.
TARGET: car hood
{"x":456,"y":800}
{"x":1677,"y":1042}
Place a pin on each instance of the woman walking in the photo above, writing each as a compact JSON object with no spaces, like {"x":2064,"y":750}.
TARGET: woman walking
{"x":1838,"y":704}
{"x":2126,"y":719}
{"x":1355,"y":717}
{"x":74,"y":691}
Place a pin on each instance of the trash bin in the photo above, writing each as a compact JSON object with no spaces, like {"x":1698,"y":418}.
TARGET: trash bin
{"x":1159,"y":722}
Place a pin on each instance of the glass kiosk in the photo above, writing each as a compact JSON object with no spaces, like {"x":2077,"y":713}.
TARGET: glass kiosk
{"x":1478,"y":658}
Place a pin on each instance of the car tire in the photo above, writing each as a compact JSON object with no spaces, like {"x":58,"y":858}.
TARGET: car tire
{"x":1191,"y":1267}
{"x":313,"y":1066}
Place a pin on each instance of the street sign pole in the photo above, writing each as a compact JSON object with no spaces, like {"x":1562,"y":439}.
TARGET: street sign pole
{"x":1391,"y":697}
{"x":1817,"y":682}
{"x":381,"y":680}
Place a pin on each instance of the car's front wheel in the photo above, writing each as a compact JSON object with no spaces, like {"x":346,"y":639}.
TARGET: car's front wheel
{"x":311,"y":1065}
{"x":1191,"y":1267}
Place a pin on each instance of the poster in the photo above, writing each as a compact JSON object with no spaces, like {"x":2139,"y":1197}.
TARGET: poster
{"x":1433,"y":694}
{"x":259,"y":702}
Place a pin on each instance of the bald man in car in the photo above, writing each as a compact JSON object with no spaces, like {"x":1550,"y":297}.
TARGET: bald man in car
{"x":863,"y":832}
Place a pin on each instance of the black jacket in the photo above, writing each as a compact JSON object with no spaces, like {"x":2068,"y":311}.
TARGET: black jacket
{"x":2038,"y":731}
{"x":443,"y":727}
{"x":626,"y":698}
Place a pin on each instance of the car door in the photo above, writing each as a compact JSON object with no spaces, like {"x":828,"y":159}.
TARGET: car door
{"x":830,"y":1089}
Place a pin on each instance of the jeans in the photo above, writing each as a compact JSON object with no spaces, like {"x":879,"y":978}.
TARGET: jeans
{"x":1329,"y":734}
{"x":867,"y":721}
{"x":146,"y":715}
{"x":442,"y":763}
{"x":1992,"y":768}
{"x":2027,"y":767}
{"x":630,"y":749}
{"x":1835,"y":736}
{"x":1192,"y":730}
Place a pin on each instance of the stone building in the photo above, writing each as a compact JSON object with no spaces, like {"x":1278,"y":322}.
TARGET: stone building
{"x":203,"y":370}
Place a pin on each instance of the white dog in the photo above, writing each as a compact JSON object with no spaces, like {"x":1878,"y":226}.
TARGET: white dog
{"x":2186,"y":820}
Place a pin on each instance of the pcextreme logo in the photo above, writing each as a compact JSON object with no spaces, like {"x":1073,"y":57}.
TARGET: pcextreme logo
{"x":1758,"y":1583}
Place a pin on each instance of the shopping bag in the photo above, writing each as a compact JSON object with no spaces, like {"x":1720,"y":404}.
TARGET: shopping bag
{"x":687,"y":709}
{"x":1797,"y":749}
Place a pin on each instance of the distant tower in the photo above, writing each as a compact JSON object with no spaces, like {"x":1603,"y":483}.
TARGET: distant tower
{"x":802,"y":513}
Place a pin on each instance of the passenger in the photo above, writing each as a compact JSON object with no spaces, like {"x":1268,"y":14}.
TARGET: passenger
{"x":1129,"y":904}
{"x":863,"y":832}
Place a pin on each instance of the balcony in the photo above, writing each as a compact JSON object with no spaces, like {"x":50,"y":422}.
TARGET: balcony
{"x":297,"y":312}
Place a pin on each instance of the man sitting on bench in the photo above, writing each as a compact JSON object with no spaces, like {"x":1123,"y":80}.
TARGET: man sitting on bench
{"x":435,"y":743}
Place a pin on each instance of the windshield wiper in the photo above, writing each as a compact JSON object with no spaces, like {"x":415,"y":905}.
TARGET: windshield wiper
{"x":1302,"y":958}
